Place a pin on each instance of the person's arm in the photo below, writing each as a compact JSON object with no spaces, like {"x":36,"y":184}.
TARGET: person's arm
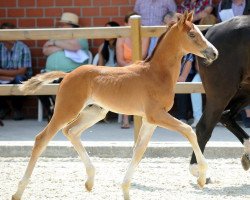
{"x":171,"y":5}
{"x":119,"y":53}
{"x":6,"y":78}
{"x":203,"y":13}
{"x":137,"y":6}
{"x":72,"y":44}
{"x":187,"y":61}
{"x":84,"y":45}
{"x":101,"y":61}
{"x":145,"y":45}
{"x":49,"y":48}
{"x":218,"y":11}
{"x":196,"y":66}
{"x":52,"y":46}
{"x":13,"y":72}
{"x":186,"y":70}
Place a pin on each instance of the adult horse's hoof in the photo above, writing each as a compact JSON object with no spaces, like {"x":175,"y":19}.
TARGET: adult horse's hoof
{"x":245,"y":161}
{"x":208,"y":181}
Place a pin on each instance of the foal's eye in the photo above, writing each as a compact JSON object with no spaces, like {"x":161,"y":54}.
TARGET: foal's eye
{"x":191,"y":34}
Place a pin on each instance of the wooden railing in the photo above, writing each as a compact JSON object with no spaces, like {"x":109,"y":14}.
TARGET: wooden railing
{"x":51,"y":89}
{"x":136,"y":32}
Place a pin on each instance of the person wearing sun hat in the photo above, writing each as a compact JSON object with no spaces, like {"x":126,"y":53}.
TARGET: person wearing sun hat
{"x":69,"y":18}
{"x":55,"y":49}
{"x":64,"y":55}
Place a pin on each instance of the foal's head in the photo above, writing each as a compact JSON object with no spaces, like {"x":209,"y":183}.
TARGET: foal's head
{"x":192,"y":39}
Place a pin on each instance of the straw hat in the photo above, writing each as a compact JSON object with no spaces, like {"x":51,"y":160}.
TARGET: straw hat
{"x":69,"y":18}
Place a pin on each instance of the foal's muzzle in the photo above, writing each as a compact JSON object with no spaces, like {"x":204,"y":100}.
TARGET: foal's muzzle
{"x":210,"y":54}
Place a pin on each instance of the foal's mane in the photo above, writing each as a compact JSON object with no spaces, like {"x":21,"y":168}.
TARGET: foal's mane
{"x":159,"y":40}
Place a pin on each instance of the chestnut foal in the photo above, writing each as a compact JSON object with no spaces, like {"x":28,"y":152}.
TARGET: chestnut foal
{"x":145,"y":88}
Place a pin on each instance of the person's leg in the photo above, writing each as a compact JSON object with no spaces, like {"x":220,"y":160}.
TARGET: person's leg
{"x":188,"y":101}
{"x":125,"y":121}
{"x":181,"y":103}
{"x":17,"y":101}
{"x":245,"y":114}
{"x":4,"y":107}
{"x":196,"y":100}
{"x":48,"y":104}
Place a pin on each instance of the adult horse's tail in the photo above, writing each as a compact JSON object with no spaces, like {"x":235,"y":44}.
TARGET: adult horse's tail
{"x":32,"y":85}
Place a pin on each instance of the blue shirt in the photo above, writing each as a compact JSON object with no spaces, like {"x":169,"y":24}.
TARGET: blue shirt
{"x":186,"y":58}
{"x":19,"y":56}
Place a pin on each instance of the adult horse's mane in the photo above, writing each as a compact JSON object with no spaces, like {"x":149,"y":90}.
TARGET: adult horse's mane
{"x":205,"y":31}
{"x":159,"y":40}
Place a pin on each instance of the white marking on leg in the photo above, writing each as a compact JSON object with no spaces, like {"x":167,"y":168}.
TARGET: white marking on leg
{"x":247,"y":146}
{"x":145,"y":134}
{"x":193,"y":169}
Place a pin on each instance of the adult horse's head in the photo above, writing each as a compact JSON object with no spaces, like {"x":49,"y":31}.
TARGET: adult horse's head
{"x":193,"y":40}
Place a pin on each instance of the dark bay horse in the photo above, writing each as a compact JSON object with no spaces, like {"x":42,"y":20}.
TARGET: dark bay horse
{"x":226,"y":82}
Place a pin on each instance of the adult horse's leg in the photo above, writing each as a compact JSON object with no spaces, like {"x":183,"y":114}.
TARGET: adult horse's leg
{"x":88,"y":117}
{"x":145,"y":134}
{"x":214,"y":112}
{"x":165,"y":120}
{"x":228,"y":120}
{"x":204,"y":128}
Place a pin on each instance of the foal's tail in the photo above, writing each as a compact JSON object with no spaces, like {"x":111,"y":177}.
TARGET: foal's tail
{"x":36,"y":82}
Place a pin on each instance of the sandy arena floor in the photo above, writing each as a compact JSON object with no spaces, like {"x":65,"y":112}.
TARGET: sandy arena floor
{"x":156,"y":178}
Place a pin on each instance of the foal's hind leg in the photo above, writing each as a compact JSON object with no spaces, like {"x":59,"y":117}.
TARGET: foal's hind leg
{"x":40,"y":144}
{"x":145,"y":134}
{"x":64,"y":113}
{"x":88,"y":117}
{"x":165,"y":120}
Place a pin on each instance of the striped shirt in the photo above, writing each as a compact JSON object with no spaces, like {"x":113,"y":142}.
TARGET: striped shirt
{"x":153,"y":11}
{"x":19,"y":56}
{"x":197,"y":6}
{"x":187,"y":58}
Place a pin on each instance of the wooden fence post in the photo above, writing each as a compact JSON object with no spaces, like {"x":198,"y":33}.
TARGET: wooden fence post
{"x":136,"y":55}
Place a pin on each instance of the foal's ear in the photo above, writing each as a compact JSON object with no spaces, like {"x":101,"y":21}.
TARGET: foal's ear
{"x":182,"y":20}
{"x":190,"y":16}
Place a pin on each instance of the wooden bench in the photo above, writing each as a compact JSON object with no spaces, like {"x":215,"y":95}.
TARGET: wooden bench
{"x":51,"y":89}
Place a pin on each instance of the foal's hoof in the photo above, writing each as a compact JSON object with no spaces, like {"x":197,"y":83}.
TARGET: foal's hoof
{"x":201,"y":182}
{"x":14,"y":198}
{"x":89,"y":185}
{"x":126,"y":195}
{"x":245,"y":161}
{"x":125,"y":190}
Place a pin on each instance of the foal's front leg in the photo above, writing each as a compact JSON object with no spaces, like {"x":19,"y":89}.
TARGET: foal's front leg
{"x":145,"y":134}
{"x":165,"y":120}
